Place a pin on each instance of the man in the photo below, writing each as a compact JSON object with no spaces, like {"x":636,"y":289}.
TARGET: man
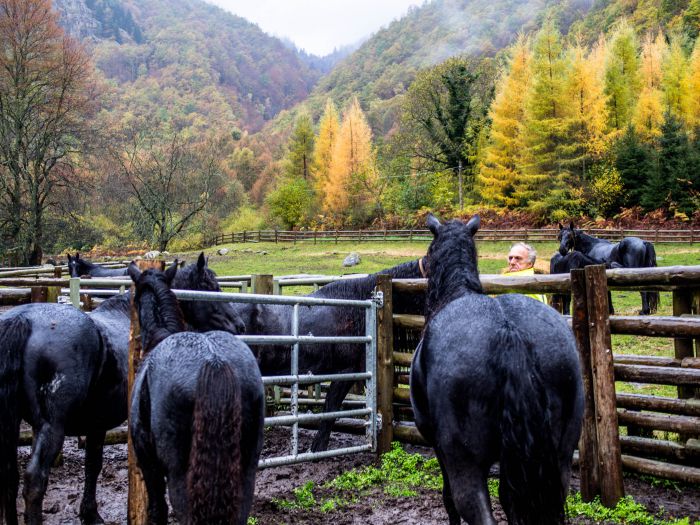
{"x":521,"y":261}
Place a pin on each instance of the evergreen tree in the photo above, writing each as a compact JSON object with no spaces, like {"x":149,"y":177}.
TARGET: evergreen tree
{"x":636,"y":164}
{"x":502,"y":161}
{"x":298,"y":162}
{"x":622,"y":81}
{"x":670,"y":184}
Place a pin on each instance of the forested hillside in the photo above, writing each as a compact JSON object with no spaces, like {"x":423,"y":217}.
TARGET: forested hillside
{"x":192,"y":62}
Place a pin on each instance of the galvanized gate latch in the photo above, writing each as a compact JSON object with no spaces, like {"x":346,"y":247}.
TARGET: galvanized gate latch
{"x":378,"y":298}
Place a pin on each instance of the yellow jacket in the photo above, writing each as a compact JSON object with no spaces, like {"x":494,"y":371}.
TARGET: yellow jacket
{"x":528,"y":271}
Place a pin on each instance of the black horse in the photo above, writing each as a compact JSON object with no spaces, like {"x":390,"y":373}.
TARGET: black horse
{"x":78,"y":267}
{"x":630,"y":252}
{"x":197,"y":413}
{"x":326,"y":321}
{"x":564,"y":264}
{"x":65,"y":372}
{"x":494,"y":379}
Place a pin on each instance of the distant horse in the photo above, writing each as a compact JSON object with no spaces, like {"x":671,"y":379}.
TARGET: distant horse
{"x":326,"y":321}
{"x":564,"y":264}
{"x":78,"y":267}
{"x":197,"y":413}
{"x":494,"y":379}
{"x":630,"y":252}
{"x":65,"y":373}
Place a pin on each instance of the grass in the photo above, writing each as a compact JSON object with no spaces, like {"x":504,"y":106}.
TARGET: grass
{"x":400,"y":475}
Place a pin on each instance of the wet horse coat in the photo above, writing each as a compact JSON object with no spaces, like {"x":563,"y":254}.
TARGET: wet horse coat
{"x":494,"y":380}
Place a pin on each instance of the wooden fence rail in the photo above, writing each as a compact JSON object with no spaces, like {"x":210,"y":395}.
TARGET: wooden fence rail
{"x":511,"y":235}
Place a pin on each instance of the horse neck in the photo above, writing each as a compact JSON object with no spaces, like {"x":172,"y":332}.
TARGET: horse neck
{"x":448,"y":282}
{"x":159,"y":318}
{"x":407,"y":270}
{"x":585,"y":242}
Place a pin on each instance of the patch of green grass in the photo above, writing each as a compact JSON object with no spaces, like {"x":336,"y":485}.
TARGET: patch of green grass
{"x":627,"y":512}
{"x":303,"y":498}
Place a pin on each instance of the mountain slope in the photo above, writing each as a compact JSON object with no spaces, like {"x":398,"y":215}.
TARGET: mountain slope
{"x":189,"y":61}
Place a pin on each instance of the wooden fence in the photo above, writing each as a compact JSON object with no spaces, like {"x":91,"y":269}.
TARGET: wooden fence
{"x":511,"y":235}
{"x":602,"y":450}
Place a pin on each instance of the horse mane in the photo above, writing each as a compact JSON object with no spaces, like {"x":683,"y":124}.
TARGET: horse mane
{"x":120,"y":303}
{"x":452,"y":268}
{"x":159,"y":311}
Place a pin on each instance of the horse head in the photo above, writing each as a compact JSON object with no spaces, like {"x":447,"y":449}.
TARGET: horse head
{"x":451,"y":262}
{"x":158,"y":309}
{"x":204,"y":316}
{"x":74,"y":264}
{"x":567,"y":237}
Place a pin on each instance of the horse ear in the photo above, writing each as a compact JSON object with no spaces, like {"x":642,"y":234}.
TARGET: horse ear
{"x":134,"y":272}
{"x":473,"y":225}
{"x":433,"y":224}
{"x":170,"y":272}
{"x":572,"y":226}
{"x":560,"y":226}
{"x":201,"y":262}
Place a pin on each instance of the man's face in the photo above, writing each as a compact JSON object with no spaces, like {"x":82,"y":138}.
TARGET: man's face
{"x":517,"y":259}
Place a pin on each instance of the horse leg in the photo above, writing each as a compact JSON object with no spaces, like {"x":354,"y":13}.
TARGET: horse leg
{"x":334,"y":399}
{"x":94,"y":445}
{"x":154,"y":480}
{"x":645,"y":304}
{"x":177,"y":492}
{"x":447,"y":500}
{"x":48,"y":443}
{"x":468,"y":486}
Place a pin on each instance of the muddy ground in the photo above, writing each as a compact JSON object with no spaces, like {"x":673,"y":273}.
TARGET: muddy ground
{"x":376,"y":508}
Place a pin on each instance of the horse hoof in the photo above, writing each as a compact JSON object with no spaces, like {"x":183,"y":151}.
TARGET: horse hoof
{"x":92,"y":519}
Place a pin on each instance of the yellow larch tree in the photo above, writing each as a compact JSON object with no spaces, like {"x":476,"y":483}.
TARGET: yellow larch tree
{"x":648,"y":112}
{"x":675,"y":84}
{"x":693,"y":102}
{"x":352,"y":178}
{"x":328,"y":128}
{"x":501,"y":164}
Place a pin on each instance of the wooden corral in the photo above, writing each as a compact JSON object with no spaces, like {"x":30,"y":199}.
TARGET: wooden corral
{"x":602,"y":450}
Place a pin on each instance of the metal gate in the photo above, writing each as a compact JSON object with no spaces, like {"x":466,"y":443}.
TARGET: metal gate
{"x":367,"y":413}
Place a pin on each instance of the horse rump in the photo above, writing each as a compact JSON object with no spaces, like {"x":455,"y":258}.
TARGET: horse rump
{"x":214,"y":481}
{"x":530,"y":490}
{"x":14,"y":333}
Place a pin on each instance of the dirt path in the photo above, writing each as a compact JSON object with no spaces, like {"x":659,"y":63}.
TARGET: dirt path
{"x":374,"y":508}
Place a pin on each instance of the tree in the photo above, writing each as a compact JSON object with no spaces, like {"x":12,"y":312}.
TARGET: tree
{"x":46,"y":97}
{"x":636,"y":164}
{"x":675,"y":82}
{"x":693,"y":110}
{"x":353,"y":181}
{"x":299,"y":159}
{"x":648,"y":113}
{"x":328,"y":128}
{"x":502,"y":162}
{"x":291,"y":201}
{"x":622,"y":81}
{"x":543,"y":179}
{"x":444,"y":112}
{"x":171,"y":181}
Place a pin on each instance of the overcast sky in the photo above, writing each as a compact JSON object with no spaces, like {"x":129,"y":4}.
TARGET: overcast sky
{"x":319,"y":26}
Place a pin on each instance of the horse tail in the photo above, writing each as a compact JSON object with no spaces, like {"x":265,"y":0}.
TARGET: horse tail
{"x":14,"y":333}
{"x":214,"y":471}
{"x":650,"y":262}
{"x":530,"y":491}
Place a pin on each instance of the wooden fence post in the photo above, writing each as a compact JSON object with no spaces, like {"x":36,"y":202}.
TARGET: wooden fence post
{"x":385,"y":365}
{"x":609,"y":453}
{"x":589,"y":468}
{"x":683,"y":346}
{"x":137,"y":497}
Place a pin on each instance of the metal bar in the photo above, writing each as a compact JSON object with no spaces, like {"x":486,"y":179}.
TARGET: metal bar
{"x":305,"y":339}
{"x":294,"y":419}
{"x":310,"y":456}
{"x":195,"y":295}
{"x":312,"y":379}
{"x":371,"y":367}
{"x":295,"y":384}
